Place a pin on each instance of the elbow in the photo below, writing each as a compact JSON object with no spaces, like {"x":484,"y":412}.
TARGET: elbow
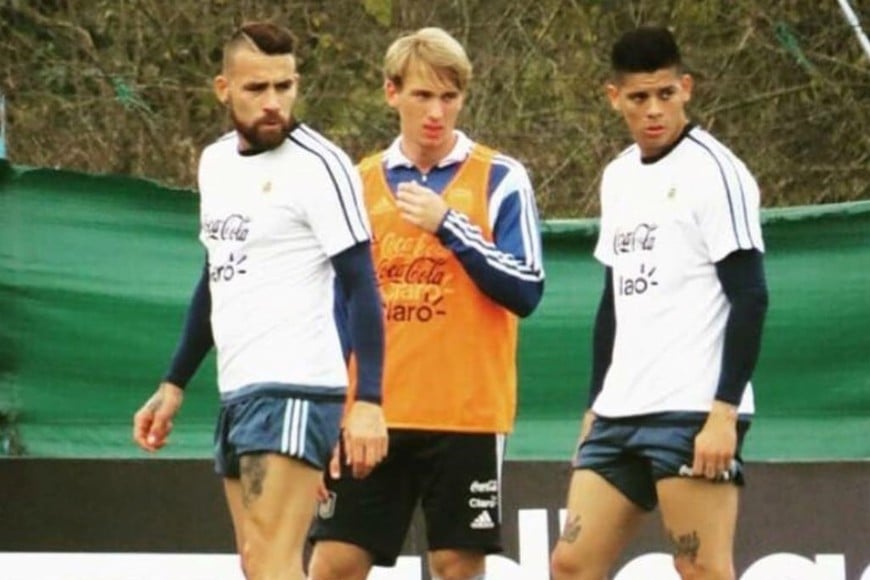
{"x":528,"y":301}
{"x":760,"y":300}
{"x":753,"y":302}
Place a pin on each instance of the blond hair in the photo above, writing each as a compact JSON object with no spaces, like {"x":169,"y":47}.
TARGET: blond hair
{"x":432,"y":48}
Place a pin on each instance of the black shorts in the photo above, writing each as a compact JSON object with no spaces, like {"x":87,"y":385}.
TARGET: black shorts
{"x":633,"y":453}
{"x":455,"y":477}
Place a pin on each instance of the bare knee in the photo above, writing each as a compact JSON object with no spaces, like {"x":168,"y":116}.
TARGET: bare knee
{"x":700,"y":568}
{"x":261,"y":561}
{"x":562,"y":565}
{"x":565,"y":564}
{"x":250,"y":561}
{"x":339,"y":561}
{"x":457,"y":564}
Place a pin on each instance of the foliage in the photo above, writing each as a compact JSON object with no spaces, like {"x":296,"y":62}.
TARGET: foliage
{"x":123,"y":86}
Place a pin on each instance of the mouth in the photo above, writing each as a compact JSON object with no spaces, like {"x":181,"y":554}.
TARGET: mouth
{"x":271,"y":123}
{"x":432,"y":130}
{"x":654,"y":131}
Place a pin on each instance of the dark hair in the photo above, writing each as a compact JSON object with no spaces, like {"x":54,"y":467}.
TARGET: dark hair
{"x":267,"y":37}
{"x":645,"y":50}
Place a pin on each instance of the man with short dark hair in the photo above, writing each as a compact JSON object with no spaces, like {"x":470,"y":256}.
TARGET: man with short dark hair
{"x":677,"y":333}
{"x":283,"y":225}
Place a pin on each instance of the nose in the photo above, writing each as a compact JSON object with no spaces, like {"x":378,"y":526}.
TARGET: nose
{"x":654,"y":108}
{"x":436,"y":109}
{"x":271,"y":102}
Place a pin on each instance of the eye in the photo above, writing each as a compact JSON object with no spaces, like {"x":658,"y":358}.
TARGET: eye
{"x":256,"y":87}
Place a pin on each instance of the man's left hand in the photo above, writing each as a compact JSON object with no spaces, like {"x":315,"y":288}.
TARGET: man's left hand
{"x":716,"y":443}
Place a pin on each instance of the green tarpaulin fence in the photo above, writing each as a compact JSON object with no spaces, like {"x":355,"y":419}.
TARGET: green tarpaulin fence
{"x":96,"y":271}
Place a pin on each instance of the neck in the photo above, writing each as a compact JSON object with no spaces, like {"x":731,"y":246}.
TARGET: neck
{"x":425,"y":158}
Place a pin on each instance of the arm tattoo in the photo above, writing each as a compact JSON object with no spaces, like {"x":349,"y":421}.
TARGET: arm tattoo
{"x":253,"y":472}
{"x":686,"y":545}
{"x":572,"y":530}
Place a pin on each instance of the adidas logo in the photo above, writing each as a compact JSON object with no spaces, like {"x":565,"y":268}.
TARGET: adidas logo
{"x":482,"y":521}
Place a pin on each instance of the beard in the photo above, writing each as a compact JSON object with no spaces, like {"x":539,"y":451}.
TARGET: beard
{"x":260,"y":137}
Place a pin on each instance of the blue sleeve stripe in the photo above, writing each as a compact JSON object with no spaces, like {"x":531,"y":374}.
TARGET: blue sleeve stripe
{"x":515,"y":182}
{"x":336,"y":165}
{"x":733,"y":189}
{"x":472,"y":237}
{"x":531,"y":243}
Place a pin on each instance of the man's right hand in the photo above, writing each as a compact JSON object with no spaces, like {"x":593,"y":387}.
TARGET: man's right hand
{"x":152,"y":423}
{"x":365,"y":437}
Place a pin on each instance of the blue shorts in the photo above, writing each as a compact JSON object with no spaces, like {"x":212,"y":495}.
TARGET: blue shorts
{"x":633,"y":453}
{"x":301,"y":428}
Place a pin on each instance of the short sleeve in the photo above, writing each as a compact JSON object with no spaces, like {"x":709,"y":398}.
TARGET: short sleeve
{"x":604,"y":246}
{"x":333,"y":202}
{"x":729,"y":212}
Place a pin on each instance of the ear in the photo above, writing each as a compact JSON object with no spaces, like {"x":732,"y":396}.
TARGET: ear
{"x":686,"y":84}
{"x":391,"y":93}
{"x":221,"y":87}
{"x":613,"y":95}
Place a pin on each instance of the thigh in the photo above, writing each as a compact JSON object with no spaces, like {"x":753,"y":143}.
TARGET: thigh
{"x":461,"y":490}
{"x":599,"y":523}
{"x":700,"y":517}
{"x":278,"y":496}
{"x":233,"y":494}
{"x":374,"y":512}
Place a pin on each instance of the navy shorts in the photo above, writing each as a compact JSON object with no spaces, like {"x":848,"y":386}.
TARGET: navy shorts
{"x":454,"y":477}
{"x":633,"y":453}
{"x":301,"y":428}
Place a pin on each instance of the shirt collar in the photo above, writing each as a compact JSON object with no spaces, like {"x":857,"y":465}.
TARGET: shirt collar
{"x":394,"y":157}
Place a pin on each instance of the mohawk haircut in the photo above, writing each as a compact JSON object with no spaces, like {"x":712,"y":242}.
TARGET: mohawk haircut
{"x":645,"y":50}
{"x":262,"y":36}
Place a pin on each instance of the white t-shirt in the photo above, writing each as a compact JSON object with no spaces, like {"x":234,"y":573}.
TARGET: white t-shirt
{"x":664,"y":225}
{"x":270,"y":223}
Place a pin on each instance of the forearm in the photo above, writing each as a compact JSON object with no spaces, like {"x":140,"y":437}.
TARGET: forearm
{"x":603,"y":337}
{"x":356,"y":275}
{"x":514,"y":282}
{"x":743,"y":280}
{"x":196,"y":338}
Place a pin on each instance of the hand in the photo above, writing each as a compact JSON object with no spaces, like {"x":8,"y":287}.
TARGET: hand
{"x":153,"y":422}
{"x":365,"y":437}
{"x":420,"y":206}
{"x":716,"y":443}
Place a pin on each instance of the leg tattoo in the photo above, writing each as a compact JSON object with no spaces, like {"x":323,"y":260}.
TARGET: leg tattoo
{"x":572,"y":529}
{"x":686,"y":545}
{"x":253,"y":471}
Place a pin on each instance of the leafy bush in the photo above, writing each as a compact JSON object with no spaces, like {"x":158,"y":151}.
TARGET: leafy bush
{"x":124,"y":87}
